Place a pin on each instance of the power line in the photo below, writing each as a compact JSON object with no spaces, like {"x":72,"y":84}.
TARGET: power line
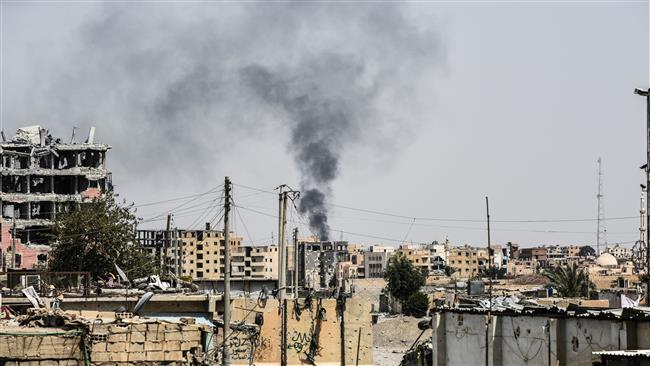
{"x":383,"y":213}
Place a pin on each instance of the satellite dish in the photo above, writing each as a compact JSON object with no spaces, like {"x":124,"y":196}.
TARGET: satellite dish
{"x":143,"y":300}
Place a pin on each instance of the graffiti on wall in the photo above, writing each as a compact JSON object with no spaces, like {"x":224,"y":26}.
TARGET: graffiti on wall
{"x":299,"y":341}
{"x":243,"y":344}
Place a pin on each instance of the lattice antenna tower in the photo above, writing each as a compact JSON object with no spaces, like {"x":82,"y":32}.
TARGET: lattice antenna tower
{"x":639,"y":250}
{"x":601,"y":236}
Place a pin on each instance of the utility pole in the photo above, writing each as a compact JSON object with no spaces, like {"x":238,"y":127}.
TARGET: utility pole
{"x":646,"y":94}
{"x":226,"y":274}
{"x":167,"y":244}
{"x":280,"y":238}
{"x":601,"y":236}
{"x":295,"y":263}
{"x":282,"y":262}
{"x":489,"y":317}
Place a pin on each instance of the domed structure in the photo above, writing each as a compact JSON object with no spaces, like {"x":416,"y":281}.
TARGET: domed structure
{"x":607,"y":260}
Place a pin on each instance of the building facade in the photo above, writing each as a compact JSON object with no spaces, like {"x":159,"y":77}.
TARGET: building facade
{"x":41,"y":176}
{"x":466,"y":261}
{"x":376,"y":260}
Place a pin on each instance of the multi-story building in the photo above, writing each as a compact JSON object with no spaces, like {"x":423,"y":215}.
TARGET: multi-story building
{"x":165,"y":247}
{"x":318,"y":262}
{"x":264,"y":262}
{"x":539,"y":254}
{"x":376,"y":260}
{"x":41,"y":176}
{"x":356,"y":260}
{"x":418,"y":255}
{"x":556,"y":255}
{"x":203,"y":254}
{"x":467,"y":261}
{"x":571,"y":251}
{"x":438,"y":256}
{"x":619,"y":252}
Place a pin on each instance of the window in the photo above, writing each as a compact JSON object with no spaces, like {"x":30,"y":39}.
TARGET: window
{"x":199,"y":256}
{"x":199,"y":274}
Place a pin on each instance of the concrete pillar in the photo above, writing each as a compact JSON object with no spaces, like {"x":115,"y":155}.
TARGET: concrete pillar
{"x":439,"y":340}
{"x":495,"y":345}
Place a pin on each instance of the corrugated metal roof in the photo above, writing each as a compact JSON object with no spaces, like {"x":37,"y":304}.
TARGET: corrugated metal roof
{"x":645,"y":353}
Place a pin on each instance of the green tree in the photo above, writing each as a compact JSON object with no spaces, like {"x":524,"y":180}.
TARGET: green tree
{"x":402,"y":277}
{"x":569,"y":280}
{"x":95,"y":236}
{"x":587,"y":251}
{"x":416,"y":305}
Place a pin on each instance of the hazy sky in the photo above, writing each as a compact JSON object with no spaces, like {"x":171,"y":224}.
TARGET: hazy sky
{"x":443,"y":104}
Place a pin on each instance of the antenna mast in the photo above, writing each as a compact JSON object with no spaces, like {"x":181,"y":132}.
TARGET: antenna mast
{"x":601,"y":236}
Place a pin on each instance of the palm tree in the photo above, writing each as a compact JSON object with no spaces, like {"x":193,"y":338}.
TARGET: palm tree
{"x":569,"y":281}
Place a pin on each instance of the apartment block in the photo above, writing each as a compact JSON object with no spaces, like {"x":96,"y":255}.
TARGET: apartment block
{"x":41,"y":176}
{"x":467,"y":261}
{"x":318,"y":262}
{"x":376,"y":260}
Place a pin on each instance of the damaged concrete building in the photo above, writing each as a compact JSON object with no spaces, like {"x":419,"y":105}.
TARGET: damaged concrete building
{"x":42,"y":176}
{"x":318,"y":262}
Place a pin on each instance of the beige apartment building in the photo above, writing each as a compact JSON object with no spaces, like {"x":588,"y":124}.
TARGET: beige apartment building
{"x":418,"y":255}
{"x":467,"y":261}
{"x":203,"y":254}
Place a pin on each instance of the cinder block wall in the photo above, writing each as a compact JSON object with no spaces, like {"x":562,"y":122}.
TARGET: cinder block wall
{"x":151,"y":342}
{"x":154,"y":342}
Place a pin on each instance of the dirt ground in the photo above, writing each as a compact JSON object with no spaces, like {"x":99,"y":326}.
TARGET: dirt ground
{"x":393,"y":336}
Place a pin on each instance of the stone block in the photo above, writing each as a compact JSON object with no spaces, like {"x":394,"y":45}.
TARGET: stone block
{"x":140,"y":328}
{"x":100,"y":357}
{"x":173,"y":335}
{"x":136,"y":347}
{"x":155,"y":356}
{"x":192,"y":335}
{"x":172,"y":345}
{"x":114,"y":328}
{"x":153,"y":346}
{"x":137,"y":356}
{"x":68,"y":363}
{"x":137,"y":337}
{"x":173,"y":355}
{"x":118,"y":337}
{"x":98,"y":347}
{"x":116,"y":347}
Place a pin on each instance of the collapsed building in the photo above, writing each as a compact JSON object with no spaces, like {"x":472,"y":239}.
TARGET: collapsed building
{"x":41,"y":176}
{"x":318,"y":262}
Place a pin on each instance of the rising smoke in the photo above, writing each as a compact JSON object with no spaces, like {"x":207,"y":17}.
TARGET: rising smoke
{"x":163,"y":85}
{"x":321,"y":124}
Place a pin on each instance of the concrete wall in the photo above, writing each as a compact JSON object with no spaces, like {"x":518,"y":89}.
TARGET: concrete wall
{"x":460,"y":339}
{"x":266,"y":349}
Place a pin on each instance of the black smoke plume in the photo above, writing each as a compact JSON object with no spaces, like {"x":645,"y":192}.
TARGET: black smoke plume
{"x":320,"y":125}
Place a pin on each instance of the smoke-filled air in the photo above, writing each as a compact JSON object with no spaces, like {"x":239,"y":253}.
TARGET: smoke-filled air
{"x":200,"y":72}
